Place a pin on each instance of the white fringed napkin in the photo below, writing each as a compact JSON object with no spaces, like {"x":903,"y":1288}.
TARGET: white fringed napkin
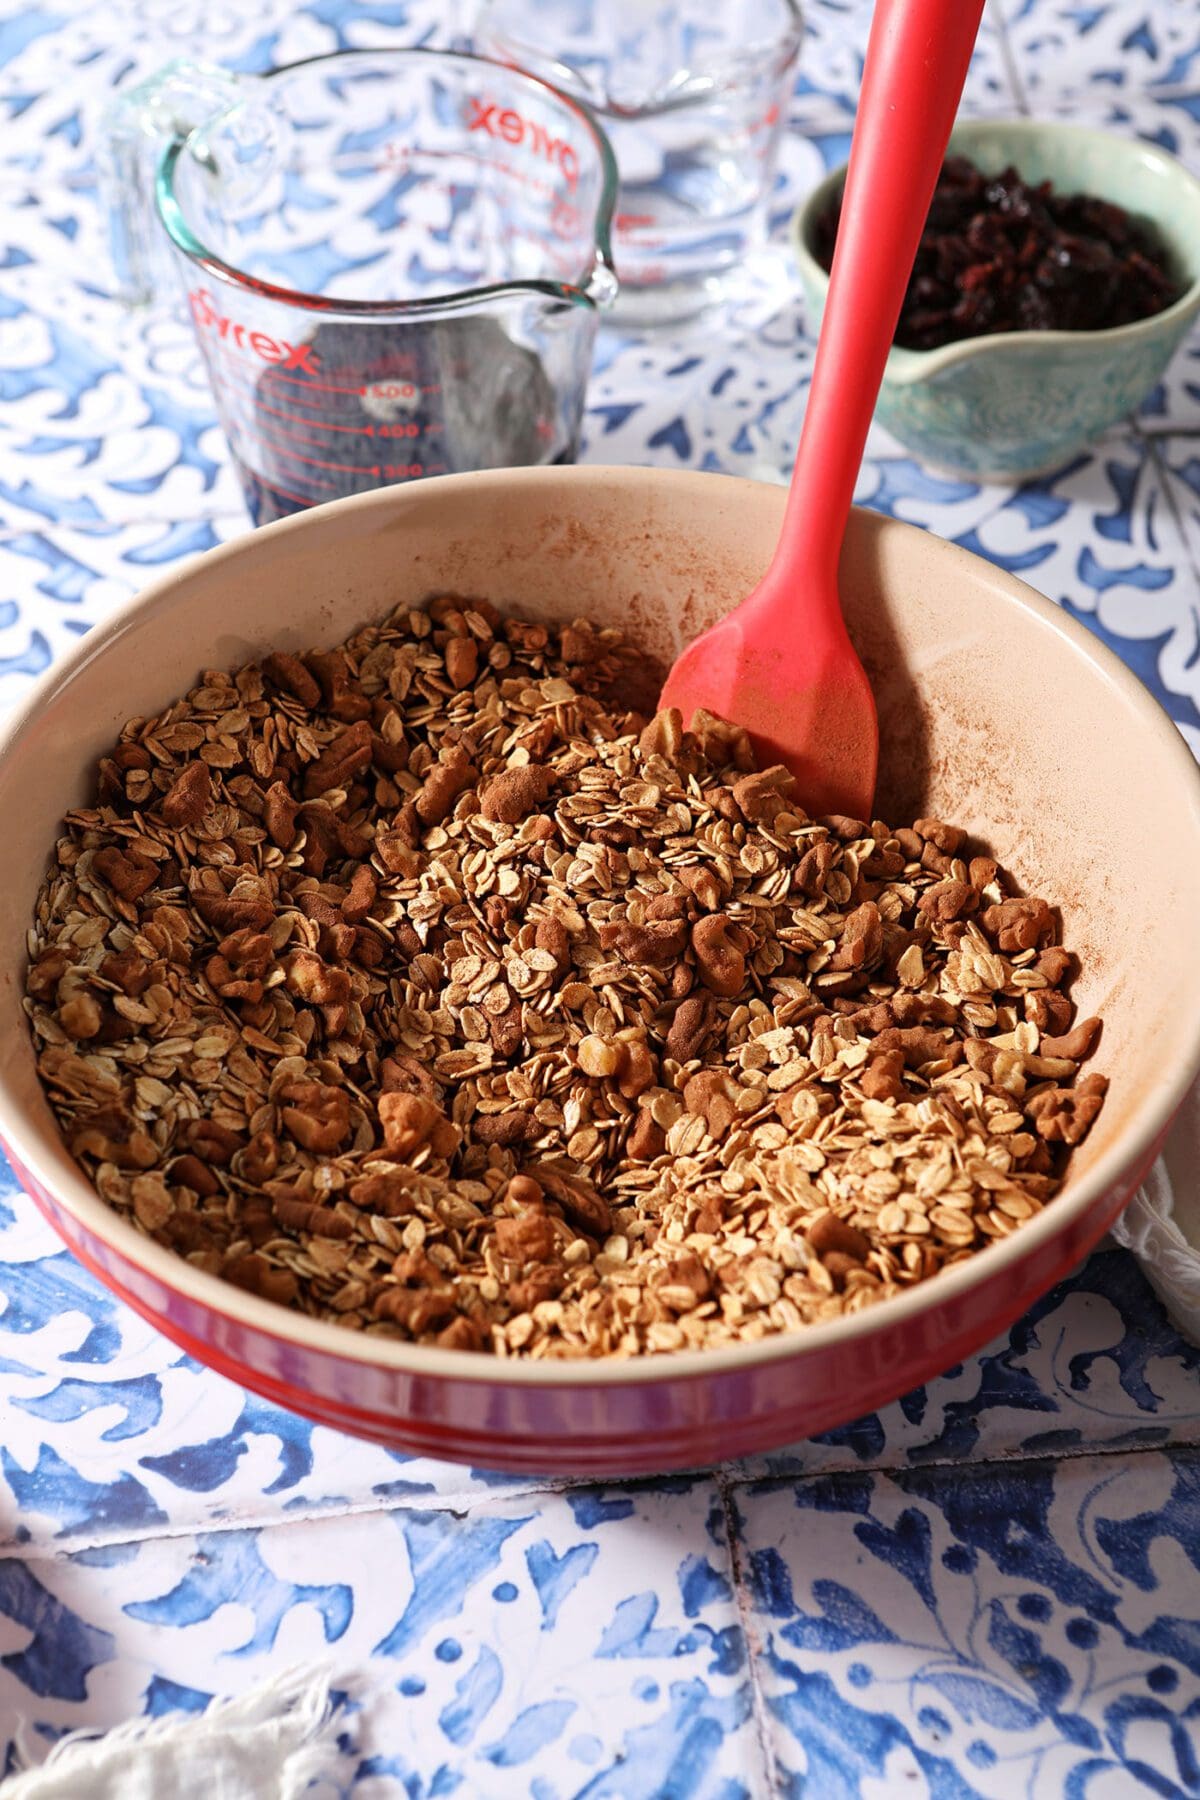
{"x":272,"y":1743}
{"x":1161,"y":1224}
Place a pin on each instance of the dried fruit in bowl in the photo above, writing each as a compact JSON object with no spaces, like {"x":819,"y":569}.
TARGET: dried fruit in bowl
{"x":1002,"y":254}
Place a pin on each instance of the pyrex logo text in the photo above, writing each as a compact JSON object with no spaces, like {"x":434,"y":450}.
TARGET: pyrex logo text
{"x":509,"y":125}
{"x":273,"y":350}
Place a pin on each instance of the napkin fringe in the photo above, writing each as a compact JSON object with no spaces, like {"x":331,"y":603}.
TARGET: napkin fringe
{"x":1161,"y":1224}
{"x":288,"y":1726}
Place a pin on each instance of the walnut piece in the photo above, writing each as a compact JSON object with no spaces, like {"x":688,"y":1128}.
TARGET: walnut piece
{"x":422,"y":984}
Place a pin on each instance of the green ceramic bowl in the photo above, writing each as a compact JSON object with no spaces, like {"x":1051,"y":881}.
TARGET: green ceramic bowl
{"x":1023,"y":403}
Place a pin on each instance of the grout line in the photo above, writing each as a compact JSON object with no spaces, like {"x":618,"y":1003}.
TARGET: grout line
{"x":760,"y":1713}
{"x":1008,"y":56}
{"x":1163,"y":471}
{"x":459,"y":1502}
{"x":1007,"y":1461}
{"x":64,"y":1549}
{"x":1163,"y":428}
{"x":470,"y":1501}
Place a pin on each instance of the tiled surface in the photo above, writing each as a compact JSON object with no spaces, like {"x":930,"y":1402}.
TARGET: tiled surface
{"x":1026,"y":1628}
{"x":988,"y":1589}
{"x":532,"y":1644}
{"x":1063,"y":50}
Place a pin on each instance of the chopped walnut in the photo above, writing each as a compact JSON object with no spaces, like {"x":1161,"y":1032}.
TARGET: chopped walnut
{"x":416,"y":984}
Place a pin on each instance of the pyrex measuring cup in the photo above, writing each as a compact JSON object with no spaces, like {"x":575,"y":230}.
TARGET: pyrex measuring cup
{"x":393,"y":262}
{"x":694,"y":97}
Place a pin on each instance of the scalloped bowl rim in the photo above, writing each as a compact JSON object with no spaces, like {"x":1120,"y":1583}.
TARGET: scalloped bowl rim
{"x":81,"y":1201}
{"x":907,"y":366}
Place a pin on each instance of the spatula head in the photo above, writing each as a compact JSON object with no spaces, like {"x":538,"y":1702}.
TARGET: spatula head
{"x":806,"y":704}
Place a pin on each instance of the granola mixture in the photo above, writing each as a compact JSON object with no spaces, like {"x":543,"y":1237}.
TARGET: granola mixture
{"x":417,"y":986}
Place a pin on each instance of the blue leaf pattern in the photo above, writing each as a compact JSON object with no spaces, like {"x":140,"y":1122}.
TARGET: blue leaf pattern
{"x":988,"y":1590}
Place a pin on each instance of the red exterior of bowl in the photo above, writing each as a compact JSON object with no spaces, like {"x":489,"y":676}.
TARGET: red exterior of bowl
{"x":592,"y":1428}
{"x":995,"y":710}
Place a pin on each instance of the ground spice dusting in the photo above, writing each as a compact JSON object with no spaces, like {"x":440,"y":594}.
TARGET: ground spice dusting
{"x":418,"y":987}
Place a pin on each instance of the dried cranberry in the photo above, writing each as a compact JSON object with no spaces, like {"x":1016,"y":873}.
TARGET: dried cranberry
{"x":999,"y":254}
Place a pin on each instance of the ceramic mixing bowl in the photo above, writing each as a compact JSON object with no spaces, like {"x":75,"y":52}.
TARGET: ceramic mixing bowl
{"x":997,"y":711}
{"x":1023,"y":403}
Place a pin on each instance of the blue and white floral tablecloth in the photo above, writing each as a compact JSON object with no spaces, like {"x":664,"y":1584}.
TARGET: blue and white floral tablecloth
{"x":990,"y":1589}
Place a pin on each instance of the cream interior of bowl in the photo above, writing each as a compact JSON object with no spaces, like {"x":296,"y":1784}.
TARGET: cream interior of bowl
{"x":995,"y":713}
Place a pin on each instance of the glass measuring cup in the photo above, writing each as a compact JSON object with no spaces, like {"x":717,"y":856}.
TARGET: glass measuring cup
{"x":393,"y":262}
{"x":693,"y":97}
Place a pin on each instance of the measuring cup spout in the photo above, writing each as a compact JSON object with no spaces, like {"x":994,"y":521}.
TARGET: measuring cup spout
{"x":602,"y":285}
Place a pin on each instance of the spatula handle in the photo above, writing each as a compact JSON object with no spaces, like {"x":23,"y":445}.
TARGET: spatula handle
{"x":913,"y":77}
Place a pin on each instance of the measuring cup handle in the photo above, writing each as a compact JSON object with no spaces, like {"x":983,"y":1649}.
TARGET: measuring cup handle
{"x":136,"y":127}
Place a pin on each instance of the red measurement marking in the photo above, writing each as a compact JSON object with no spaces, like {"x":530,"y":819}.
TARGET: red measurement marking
{"x":275,"y":488}
{"x":401,"y":156}
{"x":315,"y":462}
{"x":325,"y":387}
{"x":271,"y":437}
{"x":416,"y":474}
{"x":296,"y":419}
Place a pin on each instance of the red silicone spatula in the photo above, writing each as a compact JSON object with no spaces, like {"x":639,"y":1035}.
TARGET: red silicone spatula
{"x":781,"y":663}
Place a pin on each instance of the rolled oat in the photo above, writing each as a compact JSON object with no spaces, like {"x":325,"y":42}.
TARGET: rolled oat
{"x":419,"y":986}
